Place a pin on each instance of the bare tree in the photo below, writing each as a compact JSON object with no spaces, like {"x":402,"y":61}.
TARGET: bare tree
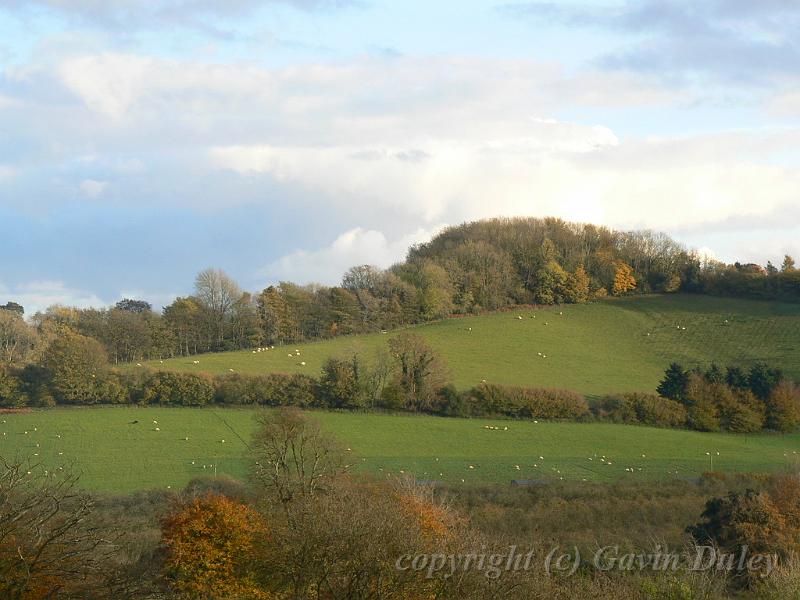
{"x":293,"y":457}
{"x":217,"y":294}
{"x":17,"y":338}
{"x":47,"y":541}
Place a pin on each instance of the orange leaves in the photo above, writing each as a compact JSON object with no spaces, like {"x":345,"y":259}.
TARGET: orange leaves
{"x":624,"y":281}
{"x":212,"y":546}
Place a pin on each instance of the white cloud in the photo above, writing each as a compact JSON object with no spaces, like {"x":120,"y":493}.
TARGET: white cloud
{"x":355,"y":247}
{"x":36,"y":296}
{"x":93,"y":188}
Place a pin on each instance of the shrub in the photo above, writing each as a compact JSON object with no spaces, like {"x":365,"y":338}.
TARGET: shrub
{"x":526,"y":403}
{"x":184,"y":389}
{"x":275,"y":389}
{"x":646,"y":409}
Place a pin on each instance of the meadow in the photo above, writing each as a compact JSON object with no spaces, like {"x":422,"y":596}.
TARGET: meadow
{"x":610,"y":346}
{"x":118,"y":449}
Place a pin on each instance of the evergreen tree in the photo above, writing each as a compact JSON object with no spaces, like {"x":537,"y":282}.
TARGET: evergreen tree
{"x":673,"y":386}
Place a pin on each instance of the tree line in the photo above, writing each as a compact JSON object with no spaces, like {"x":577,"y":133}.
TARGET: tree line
{"x":406,"y":375}
{"x":465,"y":269}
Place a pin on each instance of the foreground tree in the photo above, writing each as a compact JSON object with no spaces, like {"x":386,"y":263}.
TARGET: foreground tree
{"x":48,"y":545}
{"x":212,"y":547}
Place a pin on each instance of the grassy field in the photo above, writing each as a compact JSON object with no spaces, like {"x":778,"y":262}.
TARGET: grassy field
{"x":117,"y":455}
{"x":615,"y":345}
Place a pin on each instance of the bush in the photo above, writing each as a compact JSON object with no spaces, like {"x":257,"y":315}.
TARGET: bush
{"x":526,"y":403}
{"x":645,"y":409}
{"x":275,"y":389}
{"x":183,"y":389}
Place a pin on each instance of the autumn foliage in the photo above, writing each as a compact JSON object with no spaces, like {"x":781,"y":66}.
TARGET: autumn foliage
{"x":212,"y":545}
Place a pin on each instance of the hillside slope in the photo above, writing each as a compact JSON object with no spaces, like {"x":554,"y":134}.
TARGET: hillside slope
{"x":614,"y":345}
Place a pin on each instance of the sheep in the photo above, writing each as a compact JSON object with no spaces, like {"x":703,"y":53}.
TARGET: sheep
{"x":222,"y":441}
{"x":303,"y":364}
{"x":138,"y":364}
{"x":158,"y":428}
{"x":290,"y":355}
{"x":520,"y":317}
{"x":231,"y":370}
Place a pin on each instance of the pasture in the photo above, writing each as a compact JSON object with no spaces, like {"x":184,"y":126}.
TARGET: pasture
{"x":118,"y":449}
{"x":610,"y":346}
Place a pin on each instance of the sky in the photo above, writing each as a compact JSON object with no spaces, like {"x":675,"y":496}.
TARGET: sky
{"x":141,"y":142}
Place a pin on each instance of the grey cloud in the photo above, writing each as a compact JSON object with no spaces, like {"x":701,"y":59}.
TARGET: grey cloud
{"x":727,"y":40}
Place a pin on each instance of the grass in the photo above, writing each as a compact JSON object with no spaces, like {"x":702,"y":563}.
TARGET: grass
{"x":114,"y":454}
{"x":594,"y":349}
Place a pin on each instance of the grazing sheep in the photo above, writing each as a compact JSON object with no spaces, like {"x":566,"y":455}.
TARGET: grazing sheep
{"x":158,"y":429}
{"x":303,"y":364}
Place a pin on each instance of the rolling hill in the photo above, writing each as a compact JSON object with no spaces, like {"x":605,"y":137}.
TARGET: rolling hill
{"x":615,"y":345}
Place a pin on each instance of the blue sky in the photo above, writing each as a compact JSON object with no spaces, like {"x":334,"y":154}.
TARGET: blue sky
{"x":289,"y":139}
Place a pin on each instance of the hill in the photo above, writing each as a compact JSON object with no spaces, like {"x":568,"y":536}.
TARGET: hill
{"x":116,"y":454}
{"x":613,"y":345}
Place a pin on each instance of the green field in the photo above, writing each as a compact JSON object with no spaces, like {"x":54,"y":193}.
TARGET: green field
{"x":614,"y":345}
{"x":113,"y":454}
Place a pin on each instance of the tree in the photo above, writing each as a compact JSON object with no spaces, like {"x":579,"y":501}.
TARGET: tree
{"x":736,"y":378}
{"x":783,"y":407}
{"x":49,"y":545}
{"x":73,"y":367}
{"x":762,"y":380}
{"x":419,"y":371}
{"x":12,"y":392}
{"x":362,"y":277}
{"x":134,"y":306}
{"x":294,"y":458}
{"x":578,"y":286}
{"x":18,"y":340}
{"x":673,"y":386}
{"x":624,"y":281}
{"x":278,"y":321}
{"x":342,"y":383}
{"x":213,"y":547}
{"x":183,"y":320}
{"x":749,"y":520}
{"x":13,"y":307}
{"x":788,"y":264}
{"x":216,"y":293}
{"x":714,"y":374}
